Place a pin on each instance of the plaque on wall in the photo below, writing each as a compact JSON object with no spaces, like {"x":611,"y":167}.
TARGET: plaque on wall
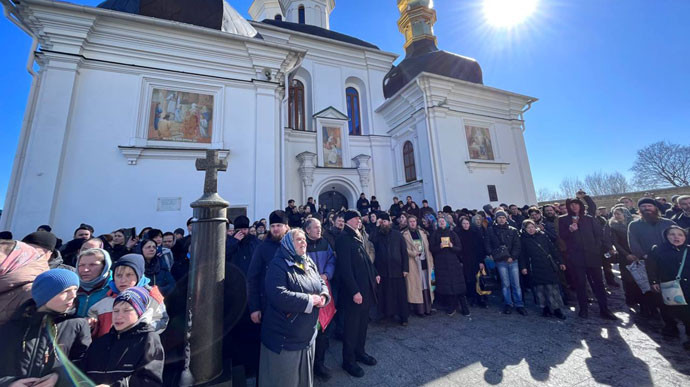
{"x":169,"y":204}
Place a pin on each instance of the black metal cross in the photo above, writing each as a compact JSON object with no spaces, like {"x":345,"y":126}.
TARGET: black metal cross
{"x":211,"y":164}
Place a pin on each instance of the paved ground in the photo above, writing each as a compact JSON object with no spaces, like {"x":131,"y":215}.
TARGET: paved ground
{"x":490,"y":348}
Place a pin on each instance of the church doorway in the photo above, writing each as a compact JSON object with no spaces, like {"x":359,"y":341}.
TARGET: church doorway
{"x":333,"y":200}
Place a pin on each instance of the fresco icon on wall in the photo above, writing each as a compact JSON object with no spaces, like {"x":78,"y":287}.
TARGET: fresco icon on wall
{"x":332,"y":147}
{"x":180,"y":116}
{"x":479,"y":143}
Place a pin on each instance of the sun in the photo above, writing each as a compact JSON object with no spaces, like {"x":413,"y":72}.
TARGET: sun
{"x":508,"y":13}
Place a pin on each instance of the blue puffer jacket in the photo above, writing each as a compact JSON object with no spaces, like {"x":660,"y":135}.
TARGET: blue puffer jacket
{"x":289,"y":321}
{"x":322,"y":254}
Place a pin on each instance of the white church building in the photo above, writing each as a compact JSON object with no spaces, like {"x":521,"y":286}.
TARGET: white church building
{"x":125,"y":96}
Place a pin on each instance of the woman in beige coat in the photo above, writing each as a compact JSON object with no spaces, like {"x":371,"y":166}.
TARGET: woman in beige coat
{"x":419,"y":293}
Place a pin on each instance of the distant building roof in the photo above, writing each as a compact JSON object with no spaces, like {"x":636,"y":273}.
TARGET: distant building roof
{"x":318,"y":31}
{"x":214,"y":14}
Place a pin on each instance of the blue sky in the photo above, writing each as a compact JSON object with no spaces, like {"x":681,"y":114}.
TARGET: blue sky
{"x":611,"y":75}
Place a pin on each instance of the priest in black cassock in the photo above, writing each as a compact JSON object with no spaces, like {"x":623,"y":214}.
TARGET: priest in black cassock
{"x":392,"y":264}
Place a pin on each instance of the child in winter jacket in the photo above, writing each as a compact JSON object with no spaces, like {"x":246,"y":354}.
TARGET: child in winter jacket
{"x":43,"y":336}
{"x":128,"y":272}
{"x":131,"y":354}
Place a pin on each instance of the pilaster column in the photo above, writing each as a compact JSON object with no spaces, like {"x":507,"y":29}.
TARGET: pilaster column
{"x":364,"y":170}
{"x":307,"y":166}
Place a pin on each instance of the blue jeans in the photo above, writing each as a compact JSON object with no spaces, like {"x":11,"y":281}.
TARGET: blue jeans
{"x":510,"y":283}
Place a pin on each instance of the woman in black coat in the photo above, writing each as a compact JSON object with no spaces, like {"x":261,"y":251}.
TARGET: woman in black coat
{"x":664,"y":265}
{"x":472,"y":257}
{"x":541,"y":260}
{"x":450,"y":277}
{"x":294,"y":293}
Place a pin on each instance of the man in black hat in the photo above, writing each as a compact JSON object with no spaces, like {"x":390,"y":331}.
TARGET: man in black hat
{"x":682,"y":218}
{"x":392,"y":264}
{"x":45,"y":242}
{"x":358,"y":279}
{"x":643,"y":234}
{"x":263,"y":255}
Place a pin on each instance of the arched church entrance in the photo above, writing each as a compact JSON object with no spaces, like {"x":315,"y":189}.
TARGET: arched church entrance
{"x":333,"y":200}
{"x":336,"y":193}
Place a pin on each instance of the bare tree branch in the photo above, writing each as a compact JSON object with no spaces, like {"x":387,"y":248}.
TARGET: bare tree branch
{"x":662,"y":164}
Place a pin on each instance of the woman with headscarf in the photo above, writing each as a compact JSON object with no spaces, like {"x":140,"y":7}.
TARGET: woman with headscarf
{"x":157,"y":268}
{"x":541,"y":260}
{"x":294,"y":293}
{"x":450,"y":276}
{"x":19,"y":266}
{"x":617,"y":228}
{"x":418,"y":280}
{"x":472,"y":256}
{"x":670,"y":262}
{"x":128,"y":272}
{"x":93,"y":267}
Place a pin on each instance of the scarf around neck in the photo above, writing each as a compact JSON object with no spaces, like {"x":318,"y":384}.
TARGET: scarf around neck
{"x":103,"y":277}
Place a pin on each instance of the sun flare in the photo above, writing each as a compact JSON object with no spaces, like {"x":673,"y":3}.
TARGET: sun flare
{"x":508,"y":13}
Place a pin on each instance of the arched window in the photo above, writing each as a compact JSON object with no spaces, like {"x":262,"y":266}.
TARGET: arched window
{"x":302,"y":19}
{"x":296,"y":105}
{"x":408,"y":160}
{"x":353,"y":111}
{"x":278,"y":17}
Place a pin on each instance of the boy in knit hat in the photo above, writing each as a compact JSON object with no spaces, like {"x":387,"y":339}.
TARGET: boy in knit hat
{"x":130,"y":354}
{"x":128,"y":272}
{"x":40,"y":328}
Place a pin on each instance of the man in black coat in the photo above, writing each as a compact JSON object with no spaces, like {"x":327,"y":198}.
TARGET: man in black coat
{"x":392,"y":264}
{"x":242,"y":341}
{"x":395,"y":210}
{"x":358,"y":279}
{"x":682,"y":218}
{"x":583,"y":239}
{"x":363,"y":204}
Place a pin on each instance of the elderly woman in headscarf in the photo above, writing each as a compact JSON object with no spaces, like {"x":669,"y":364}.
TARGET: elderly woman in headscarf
{"x":93,"y":267}
{"x":617,"y":229}
{"x":294,"y":292}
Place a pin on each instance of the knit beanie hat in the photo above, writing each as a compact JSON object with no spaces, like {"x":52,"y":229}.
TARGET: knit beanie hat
{"x":51,"y":283}
{"x":138,"y":297}
{"x":134,"y":261}
{"x":44,"y":239}
{"x":647,"y":201}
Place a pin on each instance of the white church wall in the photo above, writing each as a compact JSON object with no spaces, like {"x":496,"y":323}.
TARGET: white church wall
{"x":466,"y":185}
{"x":97,"y":182}
{"x":448,"y":174}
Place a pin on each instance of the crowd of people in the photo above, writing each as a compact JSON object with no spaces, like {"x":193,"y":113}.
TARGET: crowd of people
{"x":111,"y":308}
